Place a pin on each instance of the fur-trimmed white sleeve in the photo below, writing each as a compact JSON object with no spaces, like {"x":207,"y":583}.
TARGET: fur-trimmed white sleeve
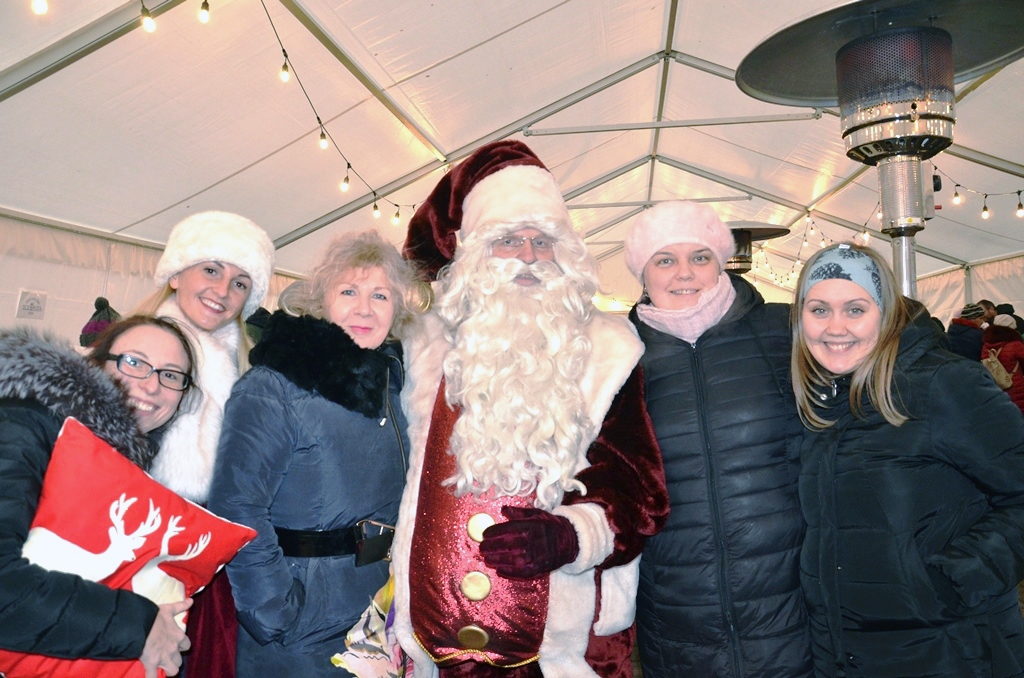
{"x":596,"y":539}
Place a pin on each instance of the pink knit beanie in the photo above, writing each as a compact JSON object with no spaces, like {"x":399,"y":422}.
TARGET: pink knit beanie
{"x":670,"y":223}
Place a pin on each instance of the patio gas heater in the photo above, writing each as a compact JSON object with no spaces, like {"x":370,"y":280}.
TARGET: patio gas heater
{"x":890,"y":66}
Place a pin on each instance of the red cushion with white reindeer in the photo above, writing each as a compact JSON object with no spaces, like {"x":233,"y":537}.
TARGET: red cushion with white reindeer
{"x":123,"y":529}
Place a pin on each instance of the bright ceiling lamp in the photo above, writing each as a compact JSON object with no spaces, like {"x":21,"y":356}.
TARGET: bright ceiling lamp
{"x":204,"y":12}
{"x":147,"y":19}
{"x":40,"y":7}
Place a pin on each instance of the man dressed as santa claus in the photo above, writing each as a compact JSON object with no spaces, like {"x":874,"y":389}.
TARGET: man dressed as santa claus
{"x":534,"y":472}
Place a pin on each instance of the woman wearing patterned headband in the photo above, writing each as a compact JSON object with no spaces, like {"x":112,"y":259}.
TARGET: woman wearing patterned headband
{"x":915,"y":537}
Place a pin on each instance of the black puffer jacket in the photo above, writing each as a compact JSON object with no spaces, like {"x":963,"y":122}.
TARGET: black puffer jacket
{"x":44,"y":612}
{"x":915,"y":538}
{"x":719,"y":587}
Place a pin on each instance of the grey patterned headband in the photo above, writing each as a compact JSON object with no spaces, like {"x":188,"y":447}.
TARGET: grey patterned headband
{"x":846,"y":263}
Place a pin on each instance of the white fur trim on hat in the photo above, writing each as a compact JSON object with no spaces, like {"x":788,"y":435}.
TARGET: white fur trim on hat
{"x":1004,"y":320}
{"x":518,"y":194}
{"x":224,"y":237}
{"x":674,"y":222}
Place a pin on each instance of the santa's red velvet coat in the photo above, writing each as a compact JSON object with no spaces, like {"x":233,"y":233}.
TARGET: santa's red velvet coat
{"x":625,"y":502}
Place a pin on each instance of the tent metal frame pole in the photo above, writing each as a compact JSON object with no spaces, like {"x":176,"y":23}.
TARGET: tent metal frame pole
{"x":668,"y":124}
{"x":77,"y":45}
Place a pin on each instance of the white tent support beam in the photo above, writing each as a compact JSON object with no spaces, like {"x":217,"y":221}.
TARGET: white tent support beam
{"x":378,"y":93}
{"x":605,"y":178}
{"x":990,"y":161}
{"x":460,"y":153}
{"x":77,"y":45}
{"x":779,"y":200}
{"x":604,"y":227}
{"x":703,"y":65}
{"x":649,"y":203}
{"x":663,"y":124}
{"x":670,"y":31}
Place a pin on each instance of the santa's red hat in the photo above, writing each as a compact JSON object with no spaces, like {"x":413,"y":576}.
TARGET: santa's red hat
{"x":500,"y":184}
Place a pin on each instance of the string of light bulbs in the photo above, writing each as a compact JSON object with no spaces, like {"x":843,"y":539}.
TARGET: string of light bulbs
{"x":958,"y":198}
{"x":287,"y":72}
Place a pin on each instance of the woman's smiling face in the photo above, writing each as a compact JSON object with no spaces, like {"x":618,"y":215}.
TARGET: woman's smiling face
{"x":840,"y":324}
{"x":677,"y":275}
{"x":211,"y":294}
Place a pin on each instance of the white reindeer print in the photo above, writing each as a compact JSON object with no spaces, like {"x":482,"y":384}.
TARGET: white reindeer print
{"x":151,"y":581}
{"x":53,"y":552}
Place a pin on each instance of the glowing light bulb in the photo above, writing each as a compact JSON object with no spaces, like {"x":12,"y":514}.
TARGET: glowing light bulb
{"x":204,"y":13}
{"x":344,"y":184}
{"x":867,"y":236}
{"x":805,"y":243}
{"x":1020,"y":206}
{"x":285,"y":75}
{"x":376,"y":210}
{"x":40,"y":7}
{"x":323,"y":139}
{"x":822,"y":243}
{"x":984,"y":208}
{"x":398,"y":217}
{"x":879,"y":215}
{"x":147,"y":20}
{"x":811,"y":232}
{"x":956,"y":196}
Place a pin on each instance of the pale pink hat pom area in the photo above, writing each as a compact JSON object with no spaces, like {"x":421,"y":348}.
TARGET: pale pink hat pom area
{"x":674,"y":222}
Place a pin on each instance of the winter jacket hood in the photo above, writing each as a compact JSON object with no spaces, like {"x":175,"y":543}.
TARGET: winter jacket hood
{"x":316,"y":355}
{"x":48,"y":371}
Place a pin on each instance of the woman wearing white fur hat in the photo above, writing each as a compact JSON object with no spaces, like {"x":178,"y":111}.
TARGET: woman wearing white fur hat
{"x":719,"y":591}
{"x":214,"y":273}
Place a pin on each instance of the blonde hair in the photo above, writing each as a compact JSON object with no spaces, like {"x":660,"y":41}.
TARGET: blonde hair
{"x":150,"y":304}
{"x":874,"y":375}
{"x":354,"y":251}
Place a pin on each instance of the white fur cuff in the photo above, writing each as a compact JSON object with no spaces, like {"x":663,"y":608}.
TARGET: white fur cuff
{"x":596,"y":539}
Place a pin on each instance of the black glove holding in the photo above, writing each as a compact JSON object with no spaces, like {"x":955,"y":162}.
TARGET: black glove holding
{"x":532,"y":542}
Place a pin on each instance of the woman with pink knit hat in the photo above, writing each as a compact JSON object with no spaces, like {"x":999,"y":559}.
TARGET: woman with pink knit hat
{"x":719,"y":592}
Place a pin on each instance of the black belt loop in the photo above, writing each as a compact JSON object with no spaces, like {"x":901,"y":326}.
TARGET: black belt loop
{"x":368,"y":540}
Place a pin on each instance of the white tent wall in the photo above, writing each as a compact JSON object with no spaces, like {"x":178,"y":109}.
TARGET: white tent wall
{"x":72,"y":269}
{"x":1001,"y":282}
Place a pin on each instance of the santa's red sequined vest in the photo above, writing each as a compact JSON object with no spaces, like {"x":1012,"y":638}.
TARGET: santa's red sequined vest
{"x":460,"y":608}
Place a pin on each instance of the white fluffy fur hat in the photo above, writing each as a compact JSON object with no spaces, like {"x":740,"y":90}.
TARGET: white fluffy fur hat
{"x":674,"y":222}
{"x":224,"y":237}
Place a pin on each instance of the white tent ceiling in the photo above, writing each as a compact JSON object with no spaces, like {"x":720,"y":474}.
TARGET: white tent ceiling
{"x":109,"y":129}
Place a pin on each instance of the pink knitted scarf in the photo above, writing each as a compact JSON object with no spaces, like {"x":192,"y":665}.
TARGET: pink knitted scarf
{"x":689,"y":323}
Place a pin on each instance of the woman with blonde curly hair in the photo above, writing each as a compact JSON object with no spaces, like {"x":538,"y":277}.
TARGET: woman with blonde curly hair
{"x":313,"y":457}
{"x":915,"y":518}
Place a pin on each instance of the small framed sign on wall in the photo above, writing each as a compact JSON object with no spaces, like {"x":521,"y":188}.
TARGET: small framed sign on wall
{"x":31,"y":305}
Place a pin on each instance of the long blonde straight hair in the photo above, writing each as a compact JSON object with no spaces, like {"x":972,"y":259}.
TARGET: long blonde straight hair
{"x":150,"y":304}
{"x":873,"y":376}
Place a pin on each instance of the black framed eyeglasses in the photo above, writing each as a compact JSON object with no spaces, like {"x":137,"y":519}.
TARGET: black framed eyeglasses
{"x":137,"y":368}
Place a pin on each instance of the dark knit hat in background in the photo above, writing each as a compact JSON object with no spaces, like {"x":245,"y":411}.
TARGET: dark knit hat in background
{"x":103,"y":316}
{"x":972,"y":312}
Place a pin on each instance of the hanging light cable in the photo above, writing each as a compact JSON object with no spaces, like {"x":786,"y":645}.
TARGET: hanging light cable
{"x":204,"y":12}
{"x":147,"y":19}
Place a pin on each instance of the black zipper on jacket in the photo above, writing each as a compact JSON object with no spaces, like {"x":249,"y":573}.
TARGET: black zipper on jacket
{"x":391,"y":414}
{"x":716,"y":516}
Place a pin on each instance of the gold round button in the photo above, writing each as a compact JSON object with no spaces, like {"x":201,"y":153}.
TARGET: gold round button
{"x":476,"y":585}
{"x":473,"y":637}
{"x":478,"y":522}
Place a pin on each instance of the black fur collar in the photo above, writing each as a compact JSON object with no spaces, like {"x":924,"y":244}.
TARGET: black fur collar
{"x":47,"y":370}
{"x":317,"y":355}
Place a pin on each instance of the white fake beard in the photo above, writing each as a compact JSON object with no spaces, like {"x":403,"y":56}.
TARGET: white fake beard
{"x":519,"y":353}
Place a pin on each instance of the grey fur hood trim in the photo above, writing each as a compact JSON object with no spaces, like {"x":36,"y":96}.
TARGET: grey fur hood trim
{"x":47,"y":370}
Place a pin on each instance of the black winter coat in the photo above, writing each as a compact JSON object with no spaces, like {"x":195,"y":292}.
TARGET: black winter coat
{"x":313,"y":439}
{"x":42,"y":611}
{"x":965,"y":339}
{"x":719,"y":587}
{"x":915,"y":538}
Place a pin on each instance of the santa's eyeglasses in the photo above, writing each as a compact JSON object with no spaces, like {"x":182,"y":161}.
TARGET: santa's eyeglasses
{"x":511,"y":244}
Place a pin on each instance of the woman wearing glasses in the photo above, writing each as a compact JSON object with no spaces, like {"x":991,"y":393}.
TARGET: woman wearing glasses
{"x":213,"y":274}
{"x":313,"y":457}
{"x":126,"y":392}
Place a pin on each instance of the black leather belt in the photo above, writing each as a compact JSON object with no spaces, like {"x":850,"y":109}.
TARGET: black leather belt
{"x":368,"y":540}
